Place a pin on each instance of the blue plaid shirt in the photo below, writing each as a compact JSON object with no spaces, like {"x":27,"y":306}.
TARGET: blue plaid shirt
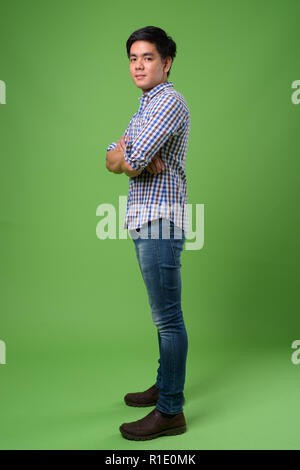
{"x":161,"y":125}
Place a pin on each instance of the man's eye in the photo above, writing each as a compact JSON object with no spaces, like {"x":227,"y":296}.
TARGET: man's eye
{"x":147,"y":58}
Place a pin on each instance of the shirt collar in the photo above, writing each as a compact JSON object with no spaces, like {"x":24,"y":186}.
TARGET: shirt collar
{"x":149,"y":94}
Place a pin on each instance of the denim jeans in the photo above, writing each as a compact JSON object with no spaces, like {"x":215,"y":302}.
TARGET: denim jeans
{"x":159,"y":261}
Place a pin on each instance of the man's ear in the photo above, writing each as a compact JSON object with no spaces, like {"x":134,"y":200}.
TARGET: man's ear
{"x":168,"y":63}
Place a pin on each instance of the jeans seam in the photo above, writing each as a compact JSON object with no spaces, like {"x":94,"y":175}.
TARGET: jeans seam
{"x":174,"y":257}
{"x":173,"y":365}
{"x":159,"y":266}
{"x":160,"y":284}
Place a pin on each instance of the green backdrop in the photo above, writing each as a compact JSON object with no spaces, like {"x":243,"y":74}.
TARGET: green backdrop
{"x":75,"y":318}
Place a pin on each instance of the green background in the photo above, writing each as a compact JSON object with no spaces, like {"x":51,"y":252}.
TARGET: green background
{"x":74,"y":311}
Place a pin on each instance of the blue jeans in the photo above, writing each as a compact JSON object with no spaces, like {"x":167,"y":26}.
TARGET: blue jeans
{"x":159,"y":262}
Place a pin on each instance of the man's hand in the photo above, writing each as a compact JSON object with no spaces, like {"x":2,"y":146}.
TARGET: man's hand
{"x":125,"y":167}
{"x":156,"y":165}
{"x":121,"y":144}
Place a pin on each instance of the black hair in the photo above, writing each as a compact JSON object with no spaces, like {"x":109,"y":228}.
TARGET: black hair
{"x":164,"y":43}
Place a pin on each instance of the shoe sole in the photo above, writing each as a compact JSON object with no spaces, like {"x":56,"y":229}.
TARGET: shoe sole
{"x":142,"y":405}
{"x":166,"y":432}
{"x":139,"y":405}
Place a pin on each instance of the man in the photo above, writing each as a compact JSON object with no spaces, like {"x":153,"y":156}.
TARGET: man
{"x":152,"y":153}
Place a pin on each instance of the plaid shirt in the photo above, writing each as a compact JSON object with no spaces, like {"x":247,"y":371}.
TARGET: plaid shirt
{"x":161,"y":125}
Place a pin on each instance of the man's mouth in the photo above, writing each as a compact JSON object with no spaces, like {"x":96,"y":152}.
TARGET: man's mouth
{"x":140,"y":76}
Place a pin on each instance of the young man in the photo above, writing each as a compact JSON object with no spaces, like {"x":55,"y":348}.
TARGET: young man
{"x":152,"y":153}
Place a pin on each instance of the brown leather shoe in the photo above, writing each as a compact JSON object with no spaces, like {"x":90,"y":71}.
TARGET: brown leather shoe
{"x":147,"y":398}
{"x":153,"y":425}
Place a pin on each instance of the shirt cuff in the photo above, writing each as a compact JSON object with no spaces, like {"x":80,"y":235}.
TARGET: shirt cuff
{"x":134,"y":165}
{"x":111,"y":146}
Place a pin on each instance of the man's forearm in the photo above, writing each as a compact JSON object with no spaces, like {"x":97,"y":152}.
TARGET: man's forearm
{"x":116,"y":163}
{"x":113,"y":161}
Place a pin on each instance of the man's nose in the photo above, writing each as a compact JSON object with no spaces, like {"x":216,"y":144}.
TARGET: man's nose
{"x":139,"y":65}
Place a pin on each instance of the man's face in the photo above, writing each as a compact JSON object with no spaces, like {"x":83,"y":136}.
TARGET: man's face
{"x":146,"y":66}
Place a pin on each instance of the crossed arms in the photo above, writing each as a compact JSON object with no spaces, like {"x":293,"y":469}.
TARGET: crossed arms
{"x":167,"y":117}
{"x":116,"y":163}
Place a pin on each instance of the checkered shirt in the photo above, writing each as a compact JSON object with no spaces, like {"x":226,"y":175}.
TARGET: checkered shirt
{"x":160,"y":126}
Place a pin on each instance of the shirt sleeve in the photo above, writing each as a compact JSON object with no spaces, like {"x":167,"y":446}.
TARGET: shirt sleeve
{"x":166,"y":118}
